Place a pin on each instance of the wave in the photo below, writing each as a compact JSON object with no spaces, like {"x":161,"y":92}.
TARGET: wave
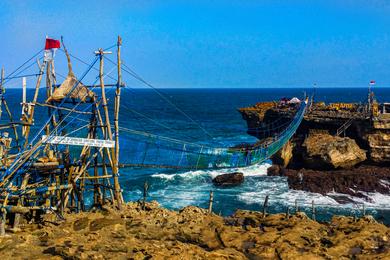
{"x":278,"y":192}
{"x":192,"y":188}
{"x":370,"y":199}
{"x":254,"y":170}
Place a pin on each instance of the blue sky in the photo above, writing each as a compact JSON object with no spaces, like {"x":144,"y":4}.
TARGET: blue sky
{"x":213,"y":43}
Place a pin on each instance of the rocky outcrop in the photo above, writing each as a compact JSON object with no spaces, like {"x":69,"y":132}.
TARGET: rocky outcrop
{"x":229,"y":179}
{"x":353,"y":182}
{"x":379,"y":145}
{"x":284,"y":155}
{"x":324,"y":151}
{"x":370,"y":133}
{"x":193,"y":233}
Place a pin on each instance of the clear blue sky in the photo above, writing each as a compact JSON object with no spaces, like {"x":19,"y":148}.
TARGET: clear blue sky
{"x":214,"y":43}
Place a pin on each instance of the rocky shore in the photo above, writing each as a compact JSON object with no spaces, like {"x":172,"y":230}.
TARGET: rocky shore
{"x":330,"y":164}
{"x":192,"y":233}
{"x":355,"y":182}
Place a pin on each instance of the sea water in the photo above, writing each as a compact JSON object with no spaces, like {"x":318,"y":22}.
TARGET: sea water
{"x":210,"y":116}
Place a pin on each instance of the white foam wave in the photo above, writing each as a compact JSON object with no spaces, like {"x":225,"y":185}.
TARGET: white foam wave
{"x":279,"y":192}
{"x":304,"y":198}
{"x":254,"y":170}
{"x":164,"y":176}
{"x":375,"y":200}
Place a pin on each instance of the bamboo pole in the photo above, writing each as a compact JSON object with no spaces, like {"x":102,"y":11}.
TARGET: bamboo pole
{"x":31,"y":116}
{"x":48,"y":94}
{"x":77,"y":176}
{"x":103,"y":154}
{"x":3,"y":101}
{"x":19,"y":162}
{"x":265,"y":205}
{"x":1,"y":89}
{"x":211,"y":199}
{"x":117,"y":192}
{"x":20,"y":201}
{"x":97,"y":193}
{"x":3,"y":217}
{"x":116,"y":117}
{"x":103,"y":126}
{"x":11,"y":119}
{"x":313,"y":211}
{"x":146,"y":188}
{"x":53,"y":81}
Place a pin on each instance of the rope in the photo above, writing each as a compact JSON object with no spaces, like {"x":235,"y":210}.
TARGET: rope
{"x":9,"y":77}
{"x":127,"y":87}
{"x":152,"y":120}
{"x":146,"y":134}
{"x":36,"y":54}
{"x":136,"y":76}
{"x":85,"y":63}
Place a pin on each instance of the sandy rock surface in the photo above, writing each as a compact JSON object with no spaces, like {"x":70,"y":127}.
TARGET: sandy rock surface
{"x":192,"y":233}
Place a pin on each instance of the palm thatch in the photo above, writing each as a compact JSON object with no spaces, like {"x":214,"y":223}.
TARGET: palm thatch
{"x":80,"y":92}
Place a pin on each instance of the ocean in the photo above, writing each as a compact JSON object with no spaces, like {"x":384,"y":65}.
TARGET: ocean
{"x":215,"y":121}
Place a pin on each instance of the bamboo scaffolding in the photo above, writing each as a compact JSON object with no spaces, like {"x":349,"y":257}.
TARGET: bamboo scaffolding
{"x":62,"y":183}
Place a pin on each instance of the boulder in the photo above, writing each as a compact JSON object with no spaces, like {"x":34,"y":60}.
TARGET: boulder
{"x":275,"y":170}
{"x":229,"y":179}
{"x":324,"y":151}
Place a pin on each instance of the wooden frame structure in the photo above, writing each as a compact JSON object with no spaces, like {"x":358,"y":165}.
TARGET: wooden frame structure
{"x":43,"y":177}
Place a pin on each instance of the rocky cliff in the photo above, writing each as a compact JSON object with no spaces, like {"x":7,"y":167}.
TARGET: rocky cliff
{"x":371,"y":134}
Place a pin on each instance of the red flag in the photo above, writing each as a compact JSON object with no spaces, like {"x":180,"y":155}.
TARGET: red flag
{"x":52,"y":44}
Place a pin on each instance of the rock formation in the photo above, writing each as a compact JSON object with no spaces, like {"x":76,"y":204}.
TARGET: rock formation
{"x":371,"y":134}
{"x":284,"y":156}
{"x":324,"y":151}
{"x":193,"y":233}
{"x":379,"y":146}
{"x":229,"y":179}
{"x":317,"y":153}
{"x":355,"y":182}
